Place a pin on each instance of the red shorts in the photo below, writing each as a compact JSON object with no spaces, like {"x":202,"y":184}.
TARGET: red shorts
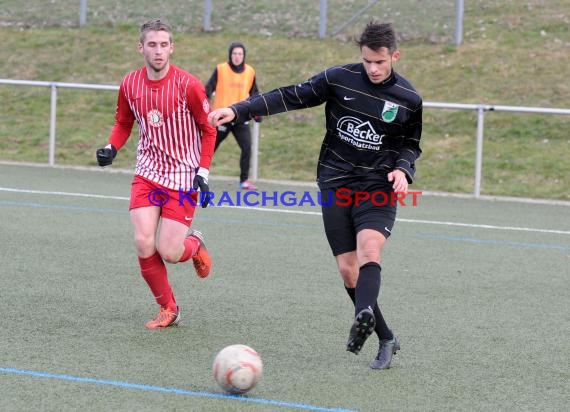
{"x":176,"y":205}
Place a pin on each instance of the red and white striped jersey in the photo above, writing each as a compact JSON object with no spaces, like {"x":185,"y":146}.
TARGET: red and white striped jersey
{"x":174,"y":135}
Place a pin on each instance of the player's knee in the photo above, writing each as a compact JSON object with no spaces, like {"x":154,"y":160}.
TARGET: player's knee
{"x":349,"y":274}
{"x":169,"y":255}
{"x":370,"y":249}
{"x":145,"y":245}
{"x":368,"y":255}
{"x":170,"y":258}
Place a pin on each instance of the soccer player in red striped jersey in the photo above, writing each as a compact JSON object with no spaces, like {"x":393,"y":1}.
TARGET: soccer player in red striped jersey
{"x":175,"y":149}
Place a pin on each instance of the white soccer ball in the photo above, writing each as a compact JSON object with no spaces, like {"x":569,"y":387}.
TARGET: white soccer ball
{"x":237,"y":369}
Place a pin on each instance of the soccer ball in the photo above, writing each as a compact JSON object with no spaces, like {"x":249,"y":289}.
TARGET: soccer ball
{"x":237,"y":369}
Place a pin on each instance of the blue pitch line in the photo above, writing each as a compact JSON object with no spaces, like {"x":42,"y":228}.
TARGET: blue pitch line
{"x":495,"y":242}
{"x":177,"y":391}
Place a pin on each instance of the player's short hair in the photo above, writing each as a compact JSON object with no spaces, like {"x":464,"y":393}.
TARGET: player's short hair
{"x":155,"y":25}
{"x":377,"y":35}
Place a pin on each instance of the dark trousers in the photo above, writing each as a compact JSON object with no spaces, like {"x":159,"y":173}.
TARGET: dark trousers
{"x":243,"y":138}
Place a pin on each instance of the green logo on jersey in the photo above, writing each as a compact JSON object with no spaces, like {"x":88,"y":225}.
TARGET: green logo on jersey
{"x":389,"y":111}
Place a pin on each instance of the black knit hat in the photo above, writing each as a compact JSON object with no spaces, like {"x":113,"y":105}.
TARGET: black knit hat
{"x":234,"y":45}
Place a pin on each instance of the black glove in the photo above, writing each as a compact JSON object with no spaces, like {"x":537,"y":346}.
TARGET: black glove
{"x":106,"y":155}
{"x":200,"y":184}
{"x":257,"y":119}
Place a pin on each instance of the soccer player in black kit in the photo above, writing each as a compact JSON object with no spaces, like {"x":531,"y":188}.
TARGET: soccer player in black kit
{"x":372,"y":140}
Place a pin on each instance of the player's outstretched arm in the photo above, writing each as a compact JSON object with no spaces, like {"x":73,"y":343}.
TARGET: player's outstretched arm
{"x":221,"y":116}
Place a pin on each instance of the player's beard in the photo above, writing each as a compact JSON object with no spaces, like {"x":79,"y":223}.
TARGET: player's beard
{"x":378,"y":78}
{"x":158,"y":68}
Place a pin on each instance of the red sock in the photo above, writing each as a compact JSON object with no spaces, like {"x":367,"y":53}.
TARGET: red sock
{"x":153,"y":271}
{"x":191,"y":246}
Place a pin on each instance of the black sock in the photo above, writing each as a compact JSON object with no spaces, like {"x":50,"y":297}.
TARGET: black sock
{"x":381,"y":328}
{"x":351,"y":293}
{"x":367,"y":286}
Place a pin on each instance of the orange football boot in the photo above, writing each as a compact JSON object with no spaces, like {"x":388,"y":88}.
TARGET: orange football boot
{"x":164,"y":319}
{"x":202,"y":260}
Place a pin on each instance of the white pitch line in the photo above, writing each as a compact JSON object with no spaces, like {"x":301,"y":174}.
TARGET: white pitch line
{"x":45,"y":192}
{"x":302,"y":212}
{"x":479,"y":226}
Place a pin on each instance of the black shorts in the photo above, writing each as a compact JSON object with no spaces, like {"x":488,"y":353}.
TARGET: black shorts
{"x":348,"y":210}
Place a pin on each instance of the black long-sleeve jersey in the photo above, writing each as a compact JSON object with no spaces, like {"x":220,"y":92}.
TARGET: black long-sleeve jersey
{"x":371,"y":129}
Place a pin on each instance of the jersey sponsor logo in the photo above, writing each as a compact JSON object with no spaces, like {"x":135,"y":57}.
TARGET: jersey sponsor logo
{"x":389,"y":111}
{"x":206,"y":106}
{"x":155,"y":118}
{"x":359,"y":134}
